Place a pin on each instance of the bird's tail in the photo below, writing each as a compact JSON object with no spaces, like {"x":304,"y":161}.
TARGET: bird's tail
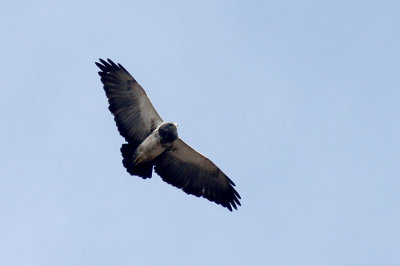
{"x":143,"y":170}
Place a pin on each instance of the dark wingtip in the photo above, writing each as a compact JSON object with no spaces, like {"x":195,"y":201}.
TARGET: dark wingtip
{"x":233,"y":205}
{"x":230,"y":181}
{"x":121,"y":67}
{"x":234,"y":201}
{"x":112,"y":63}
{"x":103,"y":61}
{"x":109,"y":65}
{"x":102,"y":67}
{"x":237,"y":194}
{"x":237,"y":201}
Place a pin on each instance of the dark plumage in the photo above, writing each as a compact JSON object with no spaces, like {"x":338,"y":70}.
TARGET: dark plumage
{"x":168,"y":133}
{"x":153,"y":142}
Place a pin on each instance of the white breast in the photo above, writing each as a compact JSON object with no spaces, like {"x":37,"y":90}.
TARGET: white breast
{"x":149,"y":149}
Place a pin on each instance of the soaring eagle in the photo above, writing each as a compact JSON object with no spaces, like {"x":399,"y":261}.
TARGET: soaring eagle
{"x":153,"y":142}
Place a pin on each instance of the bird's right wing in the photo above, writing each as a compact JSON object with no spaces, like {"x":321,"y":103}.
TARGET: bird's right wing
{"x":133,"y":112}
{"x":187,"y":169}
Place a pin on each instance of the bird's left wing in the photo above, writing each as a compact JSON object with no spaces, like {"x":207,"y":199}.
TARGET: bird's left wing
{"x":185,"y":168}
{"x":134,"y":114}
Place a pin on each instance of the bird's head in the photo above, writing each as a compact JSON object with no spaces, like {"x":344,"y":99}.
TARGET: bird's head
{"x":168,"y":132}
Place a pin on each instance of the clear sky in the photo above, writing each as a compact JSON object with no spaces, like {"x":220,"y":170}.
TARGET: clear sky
{"x":296,"y":101}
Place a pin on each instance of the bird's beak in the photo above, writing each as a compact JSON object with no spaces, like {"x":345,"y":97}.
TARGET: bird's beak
{"x":176,"y":124}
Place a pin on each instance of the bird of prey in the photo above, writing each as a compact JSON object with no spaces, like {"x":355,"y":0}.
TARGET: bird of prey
{"x":153,"y":142}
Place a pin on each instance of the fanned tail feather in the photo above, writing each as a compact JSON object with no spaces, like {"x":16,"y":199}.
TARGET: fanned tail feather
{"x":143,"y":170}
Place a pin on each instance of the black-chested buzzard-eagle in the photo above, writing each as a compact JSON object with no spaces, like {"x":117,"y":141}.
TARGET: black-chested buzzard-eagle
{"x":153,"y":142}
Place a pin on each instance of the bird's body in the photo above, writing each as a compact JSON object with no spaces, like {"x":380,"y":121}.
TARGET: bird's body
{"x":155,"y":144}
{"x":151,"y":142}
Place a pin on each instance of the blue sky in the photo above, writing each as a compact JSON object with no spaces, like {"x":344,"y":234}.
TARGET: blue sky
{"x":296,"y":101}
